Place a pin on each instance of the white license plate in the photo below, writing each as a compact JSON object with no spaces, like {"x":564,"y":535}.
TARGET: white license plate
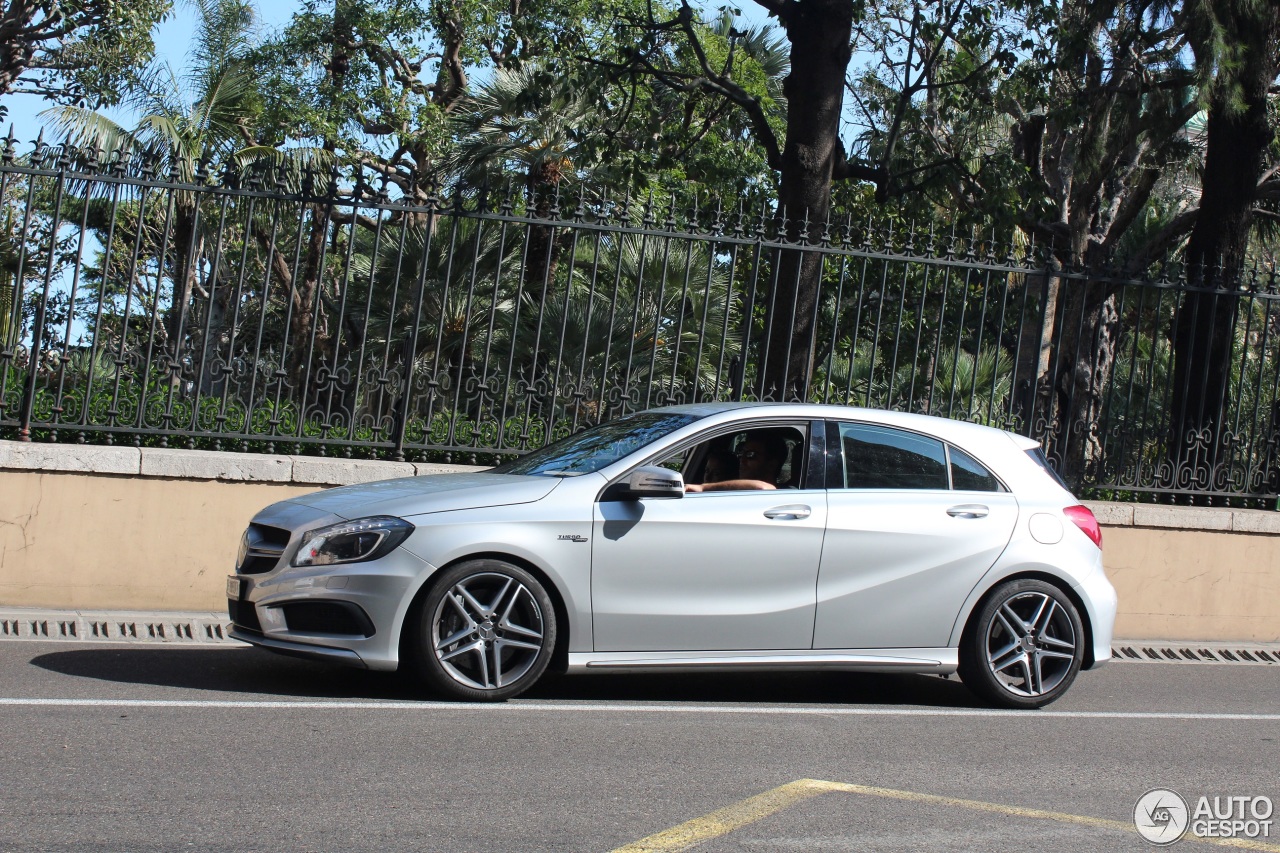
{"x":233,"y":588}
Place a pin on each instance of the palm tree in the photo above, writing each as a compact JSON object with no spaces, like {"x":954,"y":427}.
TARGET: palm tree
{"x":535,"y":123}
{"x":527,"y":120}
{"x":185,"y":124}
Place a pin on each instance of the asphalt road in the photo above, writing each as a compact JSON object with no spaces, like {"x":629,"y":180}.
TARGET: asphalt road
{"x":150,"y":748}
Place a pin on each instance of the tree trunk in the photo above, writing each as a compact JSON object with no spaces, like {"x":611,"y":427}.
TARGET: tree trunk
{"x":188,"y":246}
{"x":17,"y":46}
{"x":1238,"y":136}
{"x":1080,"y":369}
{"x":307,"y":308}
{"x":820,"y":33}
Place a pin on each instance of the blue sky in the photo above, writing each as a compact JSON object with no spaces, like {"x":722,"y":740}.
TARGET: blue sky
{"x":173,"y":40}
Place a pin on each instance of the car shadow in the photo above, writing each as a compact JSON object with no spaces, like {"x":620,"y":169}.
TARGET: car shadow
{"x":254,"y":671}
{"x":227,"y":670}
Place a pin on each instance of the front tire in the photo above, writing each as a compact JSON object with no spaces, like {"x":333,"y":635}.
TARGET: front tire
{"x":1024,"y":647}
{"x":485,"y":632}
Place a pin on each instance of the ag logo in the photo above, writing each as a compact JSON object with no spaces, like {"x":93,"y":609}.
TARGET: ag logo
{"x":1161,"y":816}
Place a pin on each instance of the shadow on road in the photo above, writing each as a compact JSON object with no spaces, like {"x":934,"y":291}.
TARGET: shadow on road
{"x":253,"y":671}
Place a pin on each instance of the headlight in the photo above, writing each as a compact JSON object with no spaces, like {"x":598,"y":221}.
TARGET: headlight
{"x":244,"y":549}
{"x":352,"y":541}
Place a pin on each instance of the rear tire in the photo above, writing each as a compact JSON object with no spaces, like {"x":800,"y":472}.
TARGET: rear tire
{"x":485,"y":631}
{"x":1024,"y":645}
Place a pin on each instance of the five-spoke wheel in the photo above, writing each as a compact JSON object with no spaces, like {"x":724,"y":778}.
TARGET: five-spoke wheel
{"x":1023,"y":646}
{"x":486,"y":630}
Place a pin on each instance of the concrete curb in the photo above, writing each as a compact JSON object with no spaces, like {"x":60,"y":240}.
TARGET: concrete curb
{"x":1258,"y":521}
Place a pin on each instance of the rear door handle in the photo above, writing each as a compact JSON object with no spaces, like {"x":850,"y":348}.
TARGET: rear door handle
{"x":790,"y":512}
{"x":968,"y":511}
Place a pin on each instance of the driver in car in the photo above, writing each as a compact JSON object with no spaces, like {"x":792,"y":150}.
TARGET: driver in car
{"x":760,"y":459}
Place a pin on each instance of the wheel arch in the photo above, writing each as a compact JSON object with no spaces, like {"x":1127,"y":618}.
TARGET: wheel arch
{"x":1086,"y":620}
{"x":559,"y":655}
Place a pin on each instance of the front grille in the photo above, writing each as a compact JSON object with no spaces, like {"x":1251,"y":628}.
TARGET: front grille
{"x":327,"y":617}
{"x":243,"y":615}
{"x":263,"y":547}
{"x":257,"y":564}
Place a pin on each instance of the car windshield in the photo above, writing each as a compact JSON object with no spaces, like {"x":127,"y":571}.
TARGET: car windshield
{"x":598,"y":447}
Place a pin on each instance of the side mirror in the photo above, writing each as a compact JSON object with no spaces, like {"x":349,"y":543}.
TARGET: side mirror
{"x":652,"y":481}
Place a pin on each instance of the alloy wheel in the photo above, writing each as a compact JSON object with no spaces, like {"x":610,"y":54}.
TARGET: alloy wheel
{"x":1031,"y":644}
{"x":487,"y":631}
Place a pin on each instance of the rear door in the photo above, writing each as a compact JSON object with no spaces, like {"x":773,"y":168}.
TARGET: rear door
{"x":904,"y":546}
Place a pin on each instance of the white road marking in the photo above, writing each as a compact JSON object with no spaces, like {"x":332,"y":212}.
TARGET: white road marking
{"x":560,"y":707}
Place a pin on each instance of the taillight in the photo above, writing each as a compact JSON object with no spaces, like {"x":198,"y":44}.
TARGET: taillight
{"x":1085,"y":520}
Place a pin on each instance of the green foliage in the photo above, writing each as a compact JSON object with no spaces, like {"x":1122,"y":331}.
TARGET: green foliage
{"x":87,"y":52}
{"x":347,"y":75}
{"x":184,"y":121}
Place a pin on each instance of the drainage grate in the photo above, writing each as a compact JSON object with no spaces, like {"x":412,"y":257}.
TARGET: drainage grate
{"x":1173,"y":651}
{"x":113,"y":626}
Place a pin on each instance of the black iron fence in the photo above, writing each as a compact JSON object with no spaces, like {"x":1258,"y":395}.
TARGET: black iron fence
{"x":283,"y":311}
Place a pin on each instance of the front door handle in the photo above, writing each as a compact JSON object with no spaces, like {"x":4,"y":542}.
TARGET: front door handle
{"x":790,"y":512}
{"x":968,"y":511}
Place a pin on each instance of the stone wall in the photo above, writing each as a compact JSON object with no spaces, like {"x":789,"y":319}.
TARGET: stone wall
{"x":102,"y":528}
{"x":1191,"y":573}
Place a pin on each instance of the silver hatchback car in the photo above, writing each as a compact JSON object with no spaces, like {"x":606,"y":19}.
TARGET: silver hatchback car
{"x":721,"y":537}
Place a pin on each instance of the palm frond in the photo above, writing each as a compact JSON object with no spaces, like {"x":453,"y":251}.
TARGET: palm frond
{"x":85,"y":128}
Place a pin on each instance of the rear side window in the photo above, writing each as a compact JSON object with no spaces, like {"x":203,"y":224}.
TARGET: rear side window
{"x":876,"y":457}
{"x":1037,"y":455}
{"x":970,"y":475}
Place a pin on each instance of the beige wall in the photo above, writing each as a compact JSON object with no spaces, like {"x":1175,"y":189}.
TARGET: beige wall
{"x":151,"y":529}
{"x":107,"y":542}
{"x":106,"y":528}
{"x":1194,"y":584}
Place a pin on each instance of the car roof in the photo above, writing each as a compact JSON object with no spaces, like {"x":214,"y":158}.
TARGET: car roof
{"x":955,"y":430}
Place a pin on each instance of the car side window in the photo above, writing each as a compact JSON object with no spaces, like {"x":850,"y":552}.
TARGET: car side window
{"x":876,"y":457}
{"x":772,"y":454}
{"x":676,"y":462}
{"x":970,"y":475}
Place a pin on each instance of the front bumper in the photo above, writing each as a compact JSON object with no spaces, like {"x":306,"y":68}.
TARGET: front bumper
{"x":376,"y":596}
{"x":346,"y":657}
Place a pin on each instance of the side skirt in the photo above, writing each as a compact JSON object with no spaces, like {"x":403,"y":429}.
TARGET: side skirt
{"x":941,"y":661}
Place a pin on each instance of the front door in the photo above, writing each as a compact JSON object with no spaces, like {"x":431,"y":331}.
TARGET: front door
{"x":711,"y":571}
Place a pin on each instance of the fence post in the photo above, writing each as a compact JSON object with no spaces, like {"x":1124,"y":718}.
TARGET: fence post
{"x":33,"y":361}
{"x":410,"y":356}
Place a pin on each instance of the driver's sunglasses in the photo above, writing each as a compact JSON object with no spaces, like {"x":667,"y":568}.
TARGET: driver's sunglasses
{"x":749,"y":454}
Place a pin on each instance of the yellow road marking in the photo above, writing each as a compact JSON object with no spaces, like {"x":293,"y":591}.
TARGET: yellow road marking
{"x":726,"y":820}
{"x":1017,"y":811}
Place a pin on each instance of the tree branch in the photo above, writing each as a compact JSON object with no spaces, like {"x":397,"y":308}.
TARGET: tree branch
{"x":781,"y":9}
{"x":1159,"y":244}
{"x":709,"y":81}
